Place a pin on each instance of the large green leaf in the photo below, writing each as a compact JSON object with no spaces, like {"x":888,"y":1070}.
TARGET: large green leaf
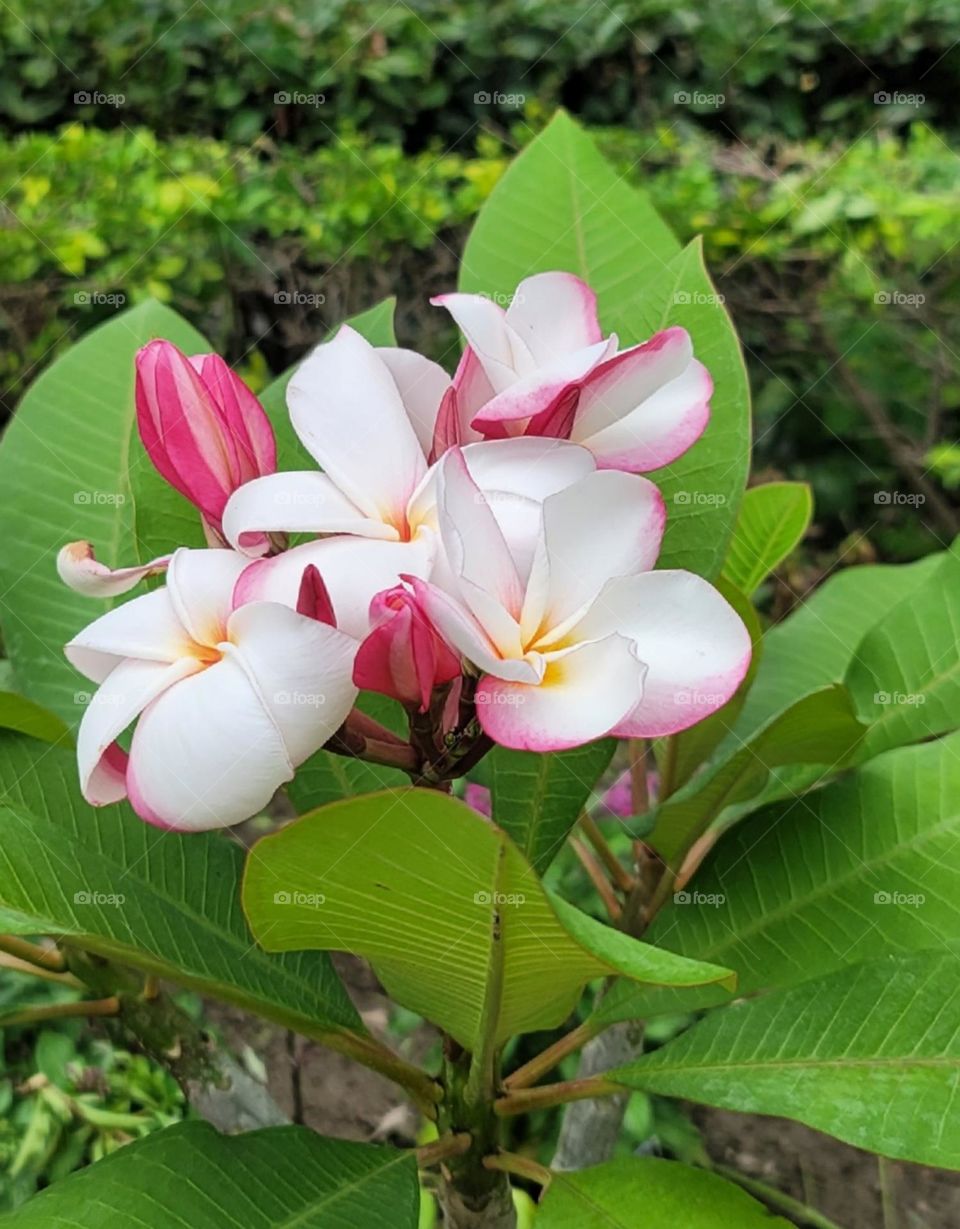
{"x":654,"y":1193}
{"x":822,"y":728}
{"x":864,"y":867}
{"x":161,"y":901}
{"x":25,"y":717}
{"x":869,"y":1054}
{"x":448,"y":911}
{"x":538,"y":798}
{"x":772,"y":520}
{"x":905,"y":673}
{"x":65,"y":465}
{"x":189,"y":1175}
{"x":562,"y":206}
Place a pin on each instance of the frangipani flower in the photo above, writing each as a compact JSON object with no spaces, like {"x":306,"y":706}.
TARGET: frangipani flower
{"x":585,"y":640}
{"x":231,"y":698}
{"x":542,"y":367}
{"x":203,"y":429}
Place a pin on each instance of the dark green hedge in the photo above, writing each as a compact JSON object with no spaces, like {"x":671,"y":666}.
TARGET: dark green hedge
{"x":420,"y":68}
{"x":840,"y":267}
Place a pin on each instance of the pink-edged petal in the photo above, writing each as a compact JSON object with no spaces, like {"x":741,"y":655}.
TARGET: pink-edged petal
{"x":206,"y":753}
{"x":201,"y":585}
{"x":303,"y":501}
{"x":585,"y":691}
{"x":607,"y":524}
{"x":146,"y":627}
{"x":353,"y":570}
{"x":460,"y":628}
{"x":79,"y":569}
{"x":125,"y":692}
{"x":554,"y":313}
{"x":502,"y":353}
{"x":243,"y":415}
{"x":302,"y":670}
{"x":403,"y":656}
{"x":536,"y":391}
{"x":347,"y":410}
{"x":313,"y":597}
{"x":693,"y":642}
{"x":467,"y":395}
{"x":421,"y":384}
{"x":620,"y":383}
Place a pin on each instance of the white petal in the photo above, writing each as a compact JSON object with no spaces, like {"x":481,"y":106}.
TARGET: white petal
{"x":353,"y":570}
{"x":125,"y":692}
{"x":206,"y":753}
{"x":607,"y":524}
{"x":304,"y":501}
{"x":201,"y":584}
{"x":538,"y":389}
{"x":554,"y":313}
{"x":693,"y":642}
{"x":584,"y":693}
{"x":503,"y":354}
{"x":421,"y":384}
{"x":146,"y":627}
{"x":80,"y":570}
{"x":302,"y":669}
{"x":345,"y":406}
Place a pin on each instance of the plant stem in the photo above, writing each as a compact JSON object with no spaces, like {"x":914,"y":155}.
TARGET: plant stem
{"x":522,"y":1166}
{"x":668,"y":769}
{"x":524,"y":1100}
{"x":639,"y":796}
{"x":58,"y":1011}
{"x":443,"y":1148}
{"x":34,"y":970}
{"x":618,"y":872}
{"x":32,"y":953}
{"x":547,"y":1059}
{"x":598,"y":879}
{"x":482,"y":1076}
{"x":423,"y":1091}
{"x":779,"y":1199}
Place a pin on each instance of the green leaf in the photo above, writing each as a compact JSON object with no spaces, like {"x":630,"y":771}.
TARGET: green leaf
{"x":538,"y":798}
{"x":376,"y":325}
{"x":869,"y":1054}
{"x":862,"y":868}
{"x":167,"y":903}
{"x":771,"y":523}
{"x":24,"y":717}
{"x":276,"y":1178}
{"x":560,"y":205}
{"x":65,"y":474}
{"x":446,"y":909}
{"x":822,"y":728}
{"x":654,"y":1193}
{"x":905,"y":673}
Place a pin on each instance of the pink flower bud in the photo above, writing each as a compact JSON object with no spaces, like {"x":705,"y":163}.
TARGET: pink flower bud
{"x":403,"y":656}
{"x":203,"y":429}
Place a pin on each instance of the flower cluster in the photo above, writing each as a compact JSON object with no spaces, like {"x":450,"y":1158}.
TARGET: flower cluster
{"x":481,"y":548}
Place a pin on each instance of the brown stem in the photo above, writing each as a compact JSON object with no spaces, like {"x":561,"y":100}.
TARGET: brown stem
{"x":526,"y":1100}
{"x":639,"y":795}
{"x":43,"y":957}
{"x":597,"y":878}
{"x":547,"y":1059}
{"x":618,"y":872}
{"x":443,"y":1148}
{"x":34,"y":970}
{"x":366,"y":727}
{"x":522,"y":1166}
{"x":58,"y":1011}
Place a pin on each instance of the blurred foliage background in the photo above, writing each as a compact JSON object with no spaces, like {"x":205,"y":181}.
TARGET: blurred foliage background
{"x":269,"y":169}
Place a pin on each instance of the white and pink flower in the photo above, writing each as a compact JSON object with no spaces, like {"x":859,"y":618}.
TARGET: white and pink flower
{"x":542,"y":367}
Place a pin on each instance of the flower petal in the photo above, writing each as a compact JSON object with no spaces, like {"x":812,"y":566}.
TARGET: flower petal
{"x":584,"y":693}
{"x":345,"y":406}
{"x":303,"y":501}
{"x":421,"y":384}
{"x":607,"y":524}
{"x":503,"y":354}
{"x":147,"y":627}
{"x":554,"y":313}
{"x":353,"y":570}
{"x":302,"y":670}
{"x":535,"y":392}
{"x":79,"y":570}
{"x":206,"y":753}
{"x":693,"y":642}
{"x":125,"y":692}
{"x":201,"y":585}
